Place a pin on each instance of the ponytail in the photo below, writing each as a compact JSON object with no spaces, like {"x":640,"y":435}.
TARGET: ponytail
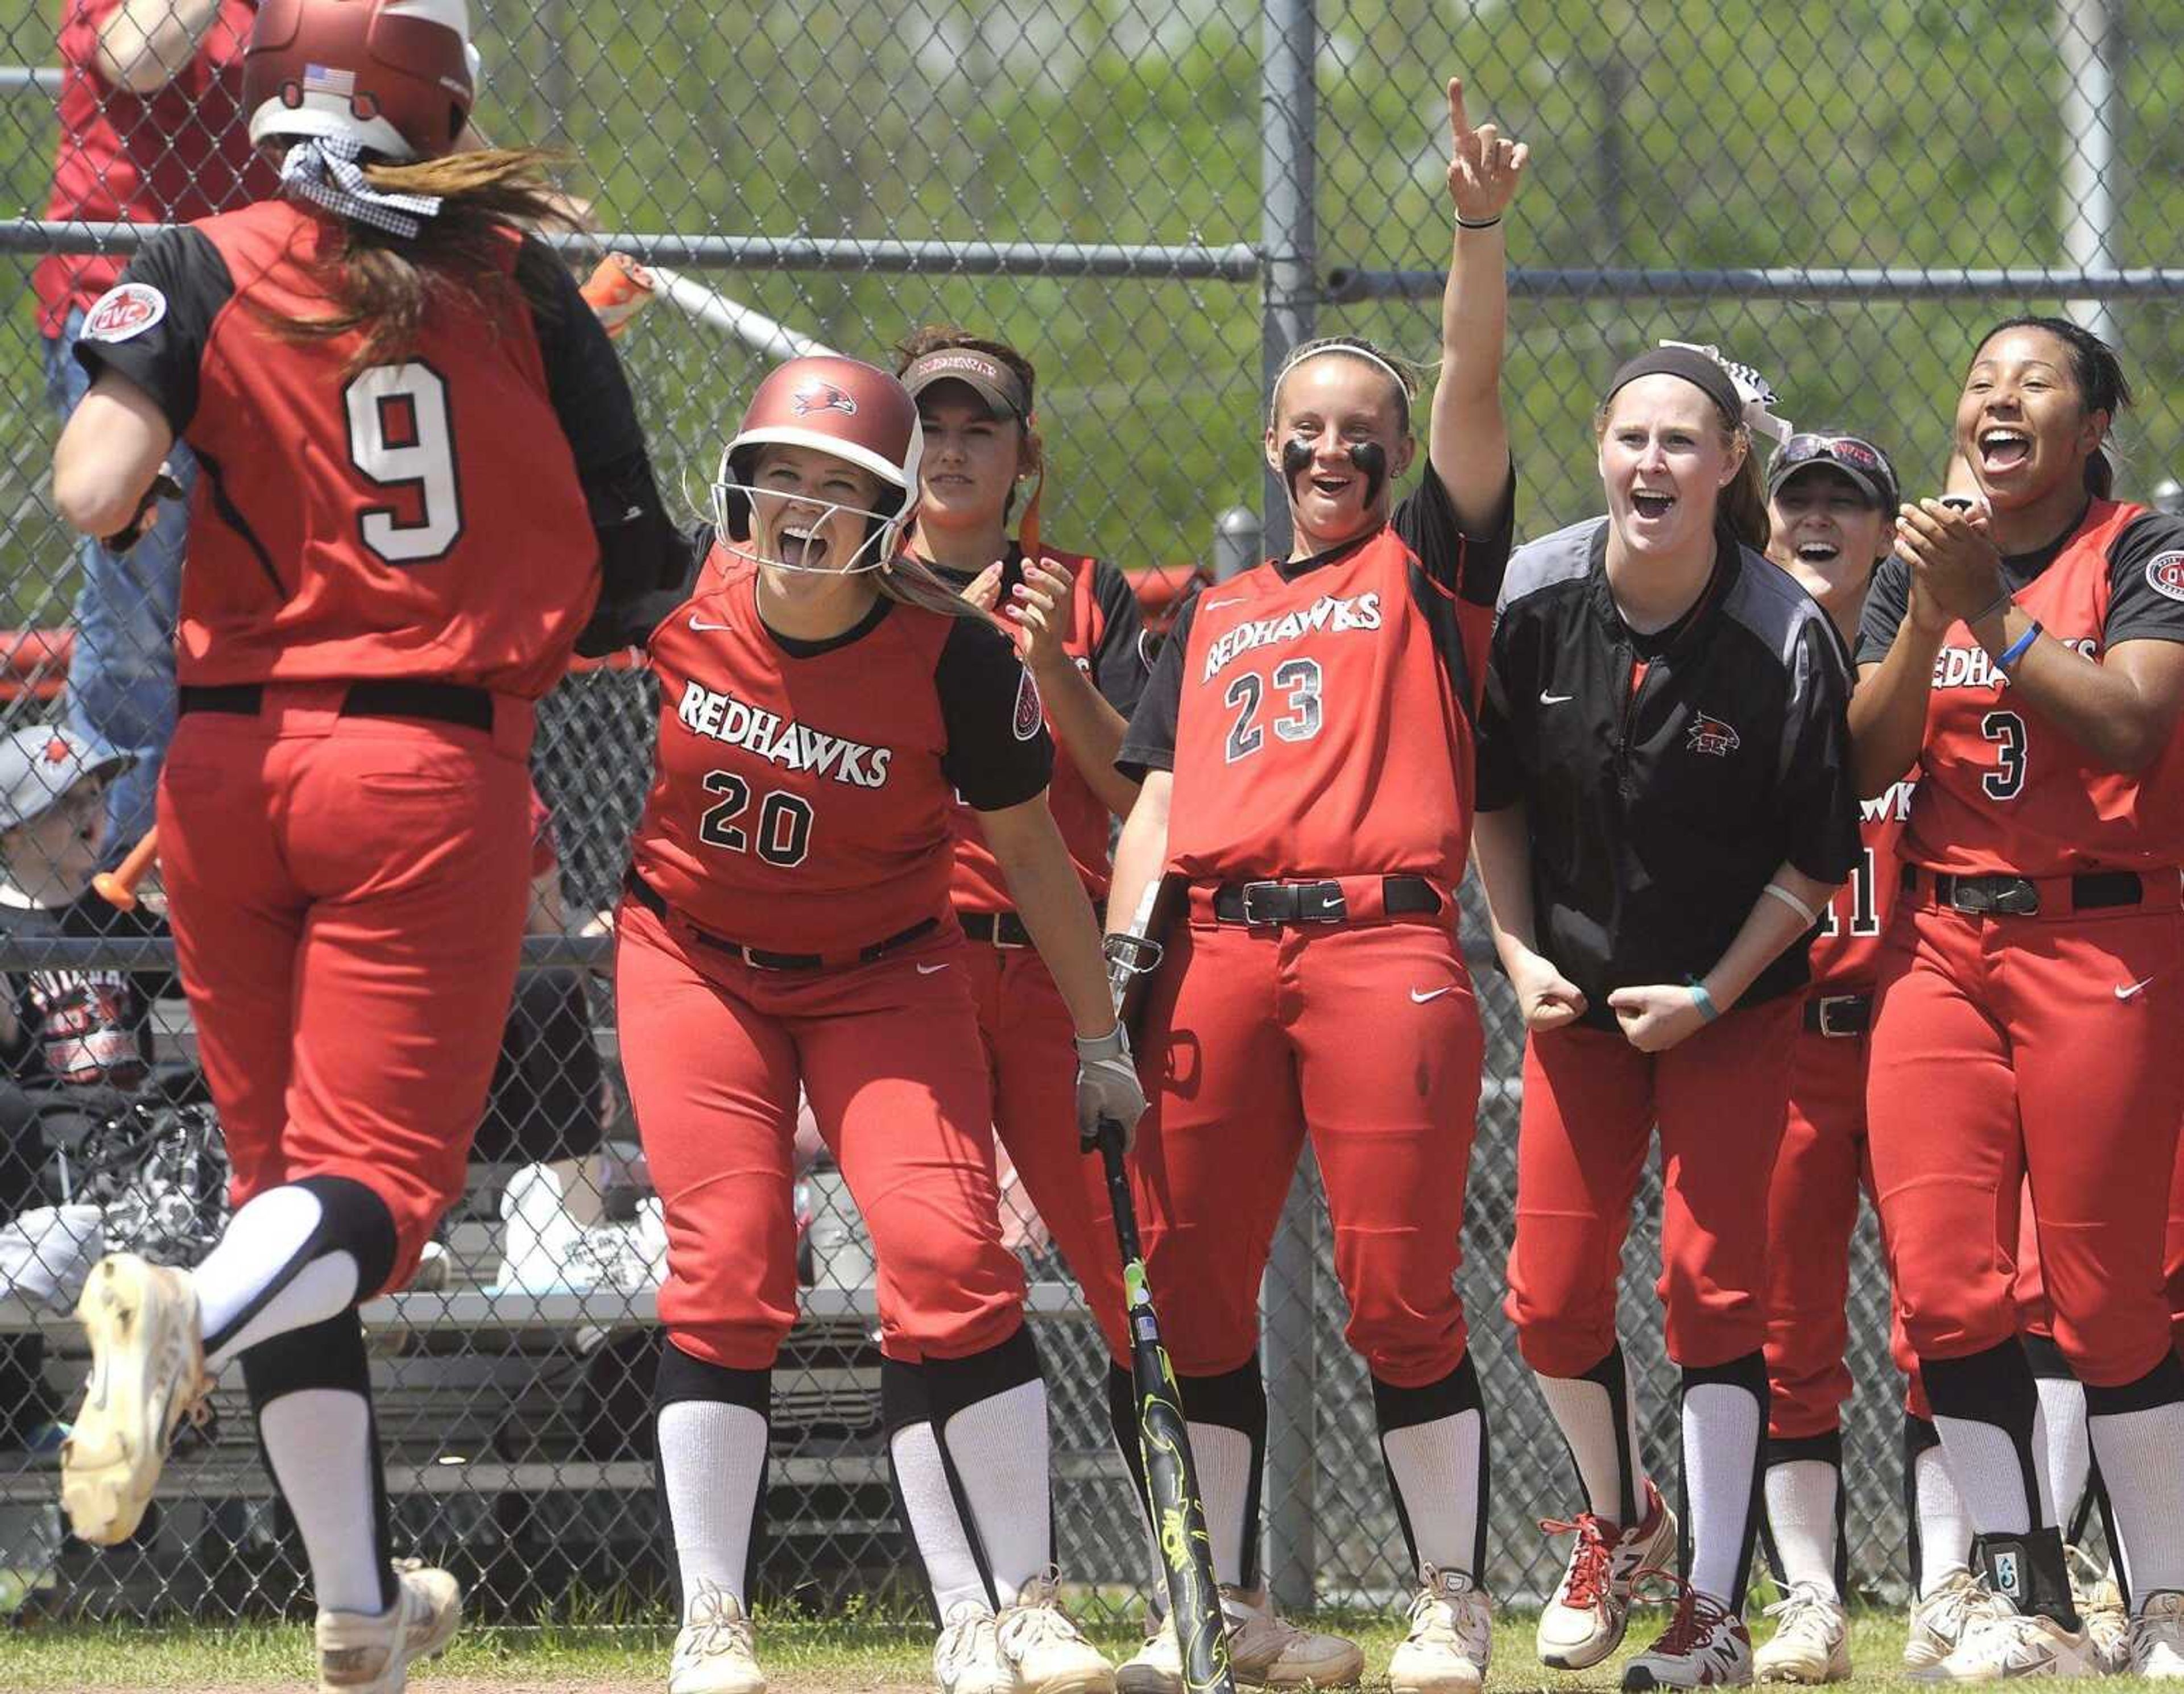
{"x":1742,"y":508}
{"x":382,"y":283}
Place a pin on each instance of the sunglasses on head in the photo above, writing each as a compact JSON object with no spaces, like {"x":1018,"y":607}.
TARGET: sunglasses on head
{"x":1846,"y":451}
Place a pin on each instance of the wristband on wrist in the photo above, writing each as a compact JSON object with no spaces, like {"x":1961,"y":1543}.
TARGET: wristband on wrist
{"x":1464,"y":223}
{"x":1703,"y":1000}
{"x":2016,"y":650}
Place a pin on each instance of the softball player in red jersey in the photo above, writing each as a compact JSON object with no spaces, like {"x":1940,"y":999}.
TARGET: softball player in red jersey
{"x":392,"y":394}
{"x":1079,"y":631}
{"x":1662,"y":812}
{"x":1306,"y":746}
{"x":823,"y":701}
{"x":1831,"y":506}
{"x":2029,"y":660}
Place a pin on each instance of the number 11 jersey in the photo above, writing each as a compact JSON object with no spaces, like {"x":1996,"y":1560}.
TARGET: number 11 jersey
{"x":1318,"y":715}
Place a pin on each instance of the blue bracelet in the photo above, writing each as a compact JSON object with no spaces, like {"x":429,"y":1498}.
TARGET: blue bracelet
{"x":1704,"y":1001}
{"x":2010,"y":655}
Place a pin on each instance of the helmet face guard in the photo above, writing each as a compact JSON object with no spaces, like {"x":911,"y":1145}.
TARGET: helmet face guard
{"x":734,"y":507}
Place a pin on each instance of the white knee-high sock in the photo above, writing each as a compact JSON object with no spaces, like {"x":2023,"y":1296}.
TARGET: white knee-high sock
{"x":943,"y":1545}
{"x":1598,"y":1413}
{"x":1801,"y":1499}
{"x":2069,"y":1451}
{"x":1223,"y":1458}
{"x":712,"y":1464}
{"x":998,"y":1445}
{"x":318,"y":1441}
{"x":287,"y":1260}
{"x":2142,"y":1463}
{"x":1724,"y":1424}
{"x":1945,"y":1527}
{"x":1436,"y":1468}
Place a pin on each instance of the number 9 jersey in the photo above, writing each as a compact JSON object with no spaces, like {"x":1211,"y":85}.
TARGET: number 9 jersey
{"x":423,"y":518}
{"x":2002,"y":790}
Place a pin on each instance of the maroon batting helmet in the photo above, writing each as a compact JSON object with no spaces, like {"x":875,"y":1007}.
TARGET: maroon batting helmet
{"x":397,"y":77}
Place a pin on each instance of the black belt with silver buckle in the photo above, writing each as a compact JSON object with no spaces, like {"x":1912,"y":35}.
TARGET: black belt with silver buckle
{"x":1277,"y":903}
{"x":2019,"y":896}
{"x":758,"y":958}
{"x":1003,"y":930}
{"x":391,"y":697}
{"x":1839,"y":1016}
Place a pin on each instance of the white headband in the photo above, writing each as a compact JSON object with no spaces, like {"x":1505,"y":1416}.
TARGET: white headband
{"x":1306,"y":354}
{"x":1751,"y":388}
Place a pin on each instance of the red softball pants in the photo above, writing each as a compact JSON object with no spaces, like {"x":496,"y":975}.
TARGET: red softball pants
{"x":2042,"y":1048}
{"x":348,"y":895}
{"x":1364,"y":1036}
{"x":888,"y":1053}
{"x":1031,"y":1060}
{"x":1591,"y":1104}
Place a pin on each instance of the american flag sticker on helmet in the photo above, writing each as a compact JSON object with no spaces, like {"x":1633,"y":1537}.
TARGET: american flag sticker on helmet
{"x":1030,"y":713}
{"x":323,"y":79}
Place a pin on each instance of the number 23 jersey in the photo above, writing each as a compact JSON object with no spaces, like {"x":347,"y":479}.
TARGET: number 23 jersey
{"x":2000,"y":788}
{"x":1318,"y":715}
{"x":802,"y":794}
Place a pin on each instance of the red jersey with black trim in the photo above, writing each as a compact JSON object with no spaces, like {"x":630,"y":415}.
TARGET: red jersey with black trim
{"x":1323,"y":711}
{"x":422,"y":518}
{"x":2001,"y":789}
{"x":804,"y":794}
{"x":1104,"y":639}
{"x":176,"y":155}
{"x":1846,"y":954}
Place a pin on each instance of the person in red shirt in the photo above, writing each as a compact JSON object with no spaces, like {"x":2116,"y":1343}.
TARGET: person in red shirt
{"x":1081,"y":635}
{"x":392,"y":393}
{"x":152,"y":131}
{"x":1306,"y":749}
{"x":825,"y":699}
{"x":2027,"y":659}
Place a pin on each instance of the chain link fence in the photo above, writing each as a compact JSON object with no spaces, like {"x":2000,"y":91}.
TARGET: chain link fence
{"x":1154,"y":198}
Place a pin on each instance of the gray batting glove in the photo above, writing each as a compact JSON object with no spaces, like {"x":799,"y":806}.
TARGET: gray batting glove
{"x":1107,"y":1088}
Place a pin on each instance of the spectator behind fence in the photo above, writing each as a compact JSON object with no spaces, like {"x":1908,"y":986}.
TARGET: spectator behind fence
{"x":151,"y":131}
{"x":84,"y":1032}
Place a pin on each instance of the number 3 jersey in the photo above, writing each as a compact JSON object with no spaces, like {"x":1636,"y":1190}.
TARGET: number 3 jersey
{"x":2001,"y":789}
{"x":1318,"y":715}
{"x":420,"y":518}
{"x":803,"y":792}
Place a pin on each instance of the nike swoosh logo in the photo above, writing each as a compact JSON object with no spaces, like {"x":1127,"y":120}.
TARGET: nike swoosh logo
{"x":1546,"y":699}
{"x":2129,"y":989}
{"x":702,"y":628}
{"x":1418,"y":998}
{"x":1216,"y":605}
{"x":930,"y":969}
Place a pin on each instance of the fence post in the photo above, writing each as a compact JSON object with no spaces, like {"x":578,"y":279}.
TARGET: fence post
{"x":2087,"y":112}
{"x":1288,"y":38}
{"x":1236,"y":536}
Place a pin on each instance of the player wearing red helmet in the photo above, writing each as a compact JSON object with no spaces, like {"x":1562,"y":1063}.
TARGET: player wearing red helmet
{"x":1286,"y":707}
{"x":824,"y":700}
{"x":391,"y":393}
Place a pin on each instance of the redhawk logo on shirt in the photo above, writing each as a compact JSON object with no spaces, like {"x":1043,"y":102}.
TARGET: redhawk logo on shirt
{"x":1361,"y":611}
{"x":822,"y":396}
{"x":2165,"y":574}
{"x":1711,"y":735}
{"x":1029,"y":714}
{"x":784,"y":742}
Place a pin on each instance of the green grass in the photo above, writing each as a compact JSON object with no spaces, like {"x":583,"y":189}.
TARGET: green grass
{"x":852,"y":1652}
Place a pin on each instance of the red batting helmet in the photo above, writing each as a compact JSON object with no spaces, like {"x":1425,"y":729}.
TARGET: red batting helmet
{"x":397,"y":77}
{"x":855,"y":411}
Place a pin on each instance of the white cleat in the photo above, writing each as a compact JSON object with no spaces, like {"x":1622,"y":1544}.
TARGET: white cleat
{"x":2157,"y":1637}
{"x":146,"y":1374}
{"x":2015,"y":1644}
{"x":1041,"y":1644}
{"x":1705,"y":1645}
{"x":1939,"y":1621}
{"x":2100,"y":1605}
{"x":714,"y":1653}
{"x":1585,"y":1620}
{"x":1264,"y":1650}
{"x":1451,"y":1640}
{"x":967,"y":1658}
{"x":359,"y":1653}
{"x":1811,"y":1644}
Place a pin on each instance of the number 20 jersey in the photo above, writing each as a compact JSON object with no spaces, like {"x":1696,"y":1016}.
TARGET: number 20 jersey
{"x":1325,"y":726}
{"x":418,"y":518}
{"x":2002,"y":788}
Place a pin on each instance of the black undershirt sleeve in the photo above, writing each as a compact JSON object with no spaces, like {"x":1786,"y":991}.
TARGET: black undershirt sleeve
{"x":999,"y":752}
{"x":629,"y":621}
{"x":1118,"y":662}
{"x":1816,"y":798}
{"x":1500,"y":781}
{"x":1149,"y":743}
{"x":1470,"y":567}
{"x":2146,"y":582}
{"x":162,"y":358}
{"x":1887,"y":602}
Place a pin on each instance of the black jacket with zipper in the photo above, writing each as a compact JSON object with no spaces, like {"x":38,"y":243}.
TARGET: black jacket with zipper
{"x":1665,"y":778}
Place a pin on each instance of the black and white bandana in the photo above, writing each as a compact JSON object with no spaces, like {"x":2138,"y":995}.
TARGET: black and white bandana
{"x":324,"y":170}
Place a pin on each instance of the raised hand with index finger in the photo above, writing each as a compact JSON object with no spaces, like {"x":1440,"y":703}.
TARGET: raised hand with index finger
{"x":1484,"y":166}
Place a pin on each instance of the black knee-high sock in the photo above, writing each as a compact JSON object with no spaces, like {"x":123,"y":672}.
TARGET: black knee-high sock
{"x":326,"y":1464}
{"x":1986,"y":1408}
{"x":1227,"y":1415}
{"x":1724,"y":1429}
{"x":1433,"y":1443}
